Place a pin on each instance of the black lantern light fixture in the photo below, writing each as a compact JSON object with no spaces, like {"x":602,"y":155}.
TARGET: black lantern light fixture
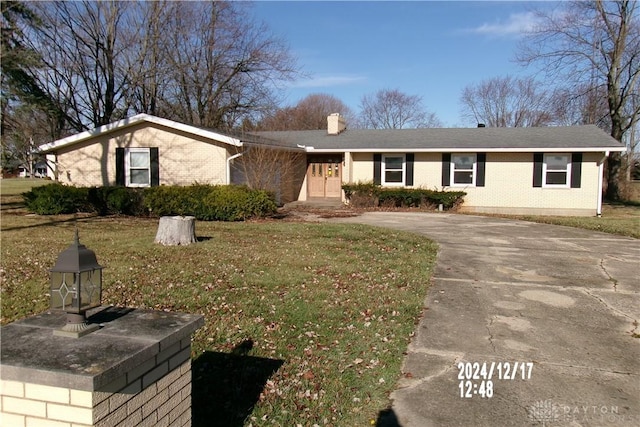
{"x":76,"y":286}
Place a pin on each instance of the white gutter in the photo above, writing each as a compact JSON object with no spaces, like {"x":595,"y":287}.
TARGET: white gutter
{"x":235,"y":156}
{"x":600,"y":180}
{"x":309,"y":148}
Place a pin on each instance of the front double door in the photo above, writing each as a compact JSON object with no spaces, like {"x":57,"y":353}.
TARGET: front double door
{"x":324,"y":178}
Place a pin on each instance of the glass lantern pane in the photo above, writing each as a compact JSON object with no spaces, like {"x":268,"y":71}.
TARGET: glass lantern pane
{"x":56,"y":297}
{"x":89,"y":289}
{"x":62,"y":291}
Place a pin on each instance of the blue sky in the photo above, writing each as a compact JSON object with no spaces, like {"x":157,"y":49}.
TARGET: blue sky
{"x":427,"y":48}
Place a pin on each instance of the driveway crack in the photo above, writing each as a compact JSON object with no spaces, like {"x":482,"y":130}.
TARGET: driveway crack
{"x":609,"y":277}
{"x":493,"y":346}
{"x":634,"y":322}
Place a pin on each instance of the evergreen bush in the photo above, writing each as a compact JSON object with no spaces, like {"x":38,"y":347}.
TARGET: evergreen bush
{"x":116,"y":200}
{"x":209,"y":202}
{"x":56,"y":199}
{"x":205,"y":202}
{"x":371,"y":195}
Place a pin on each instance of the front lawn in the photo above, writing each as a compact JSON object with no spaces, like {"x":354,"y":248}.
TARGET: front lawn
{"x":305,"y":323}
{"x":16,"y":186}
{"x":620,"y":219}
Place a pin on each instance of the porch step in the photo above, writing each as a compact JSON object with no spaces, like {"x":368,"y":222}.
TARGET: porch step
{"x":328,"y":204}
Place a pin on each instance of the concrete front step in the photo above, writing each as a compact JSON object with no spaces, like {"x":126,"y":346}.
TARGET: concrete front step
{"x":316,"y":204}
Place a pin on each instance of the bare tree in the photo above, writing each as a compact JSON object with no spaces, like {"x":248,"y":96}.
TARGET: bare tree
{"x":506,"y":102}
{"x":263,"y":166}
{"x":579,"y":106}
{"x":203,"y":63}
{"x":148,"y":58}
{"x":27,"y":129}
{"x":309,"y":114}
{"x":227,"y":70}
{"x":597,"y":44}
{"x":81,"y":46}
{"x":392,"y":109}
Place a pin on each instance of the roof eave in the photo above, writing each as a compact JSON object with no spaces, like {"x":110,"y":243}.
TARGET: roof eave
{"x":467,"y":149}
{"x":82,"y":136}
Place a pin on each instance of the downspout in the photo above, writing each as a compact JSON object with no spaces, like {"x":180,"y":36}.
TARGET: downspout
{"x":600,"y":180}
{"x":235,"y":156}
{"x":51,"y":161}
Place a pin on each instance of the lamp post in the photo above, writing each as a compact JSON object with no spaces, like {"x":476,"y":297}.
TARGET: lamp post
{"x":76,"y":286}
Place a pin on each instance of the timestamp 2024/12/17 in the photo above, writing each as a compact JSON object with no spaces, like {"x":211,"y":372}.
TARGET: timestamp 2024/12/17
{"x":477,"y":379}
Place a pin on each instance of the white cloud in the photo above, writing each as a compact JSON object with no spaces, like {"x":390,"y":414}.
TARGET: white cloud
{"x":516,"y":24}
{"x":327,"y":81}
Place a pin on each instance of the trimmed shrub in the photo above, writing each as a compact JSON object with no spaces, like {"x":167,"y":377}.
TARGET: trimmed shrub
{"x":116,"y":200}
{"x":167,"y":200}
{"x":205,"y":202}
{"x":363,"y":195}
{"x":209,"y":202}
{"x":56,"y":199}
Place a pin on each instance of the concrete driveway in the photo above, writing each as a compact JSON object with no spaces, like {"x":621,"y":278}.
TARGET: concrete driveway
{"x":562,"y":303}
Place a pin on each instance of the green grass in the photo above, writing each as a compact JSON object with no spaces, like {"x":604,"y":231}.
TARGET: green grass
{"x":321,"y":313}
{"x":16,"y":186}
{"x":620,"y":219}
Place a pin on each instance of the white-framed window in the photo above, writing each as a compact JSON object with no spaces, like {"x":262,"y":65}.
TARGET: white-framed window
{"x":463,"y":169}
{"x":137,"y":167}
{"x":556,"y":170}
{"x":393,"y":169}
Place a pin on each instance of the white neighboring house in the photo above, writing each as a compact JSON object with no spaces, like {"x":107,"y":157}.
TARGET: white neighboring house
{"x":39,"y":170}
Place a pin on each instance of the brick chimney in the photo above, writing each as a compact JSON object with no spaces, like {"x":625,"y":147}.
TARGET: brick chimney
{"x":335,"y":124}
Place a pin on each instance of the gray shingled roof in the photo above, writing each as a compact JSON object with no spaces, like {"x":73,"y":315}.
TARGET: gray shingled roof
{"x":567,"y":138}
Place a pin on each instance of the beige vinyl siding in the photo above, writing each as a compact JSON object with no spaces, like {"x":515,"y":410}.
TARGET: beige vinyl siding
{"x":183,"y":158}
{"x":362,"y":168}
{"x":508,"y":184}
{"x":427,"y":171}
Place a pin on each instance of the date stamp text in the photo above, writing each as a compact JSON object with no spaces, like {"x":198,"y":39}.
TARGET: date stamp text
{"x":477,"y":378}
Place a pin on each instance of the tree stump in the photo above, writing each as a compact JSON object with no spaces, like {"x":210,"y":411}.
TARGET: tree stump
{"x":176,"y":230}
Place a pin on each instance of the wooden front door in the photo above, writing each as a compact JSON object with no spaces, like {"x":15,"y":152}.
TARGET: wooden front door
{"x":324,"y":178}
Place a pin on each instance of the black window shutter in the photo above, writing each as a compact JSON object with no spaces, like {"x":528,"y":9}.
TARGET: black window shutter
{"x":155,"y":166}
{"x":538,"y":158}
{"x":481,"y":159}
{"x":446,"y":169}
{"x":120,"y":166}
{"x":576,"y":170}
{"x":377,"y":169}
{"x":409,"y":158}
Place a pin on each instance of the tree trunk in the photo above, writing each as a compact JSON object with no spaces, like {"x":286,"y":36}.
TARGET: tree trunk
{"x":614,"y":164}
{"x":176,"y":230}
